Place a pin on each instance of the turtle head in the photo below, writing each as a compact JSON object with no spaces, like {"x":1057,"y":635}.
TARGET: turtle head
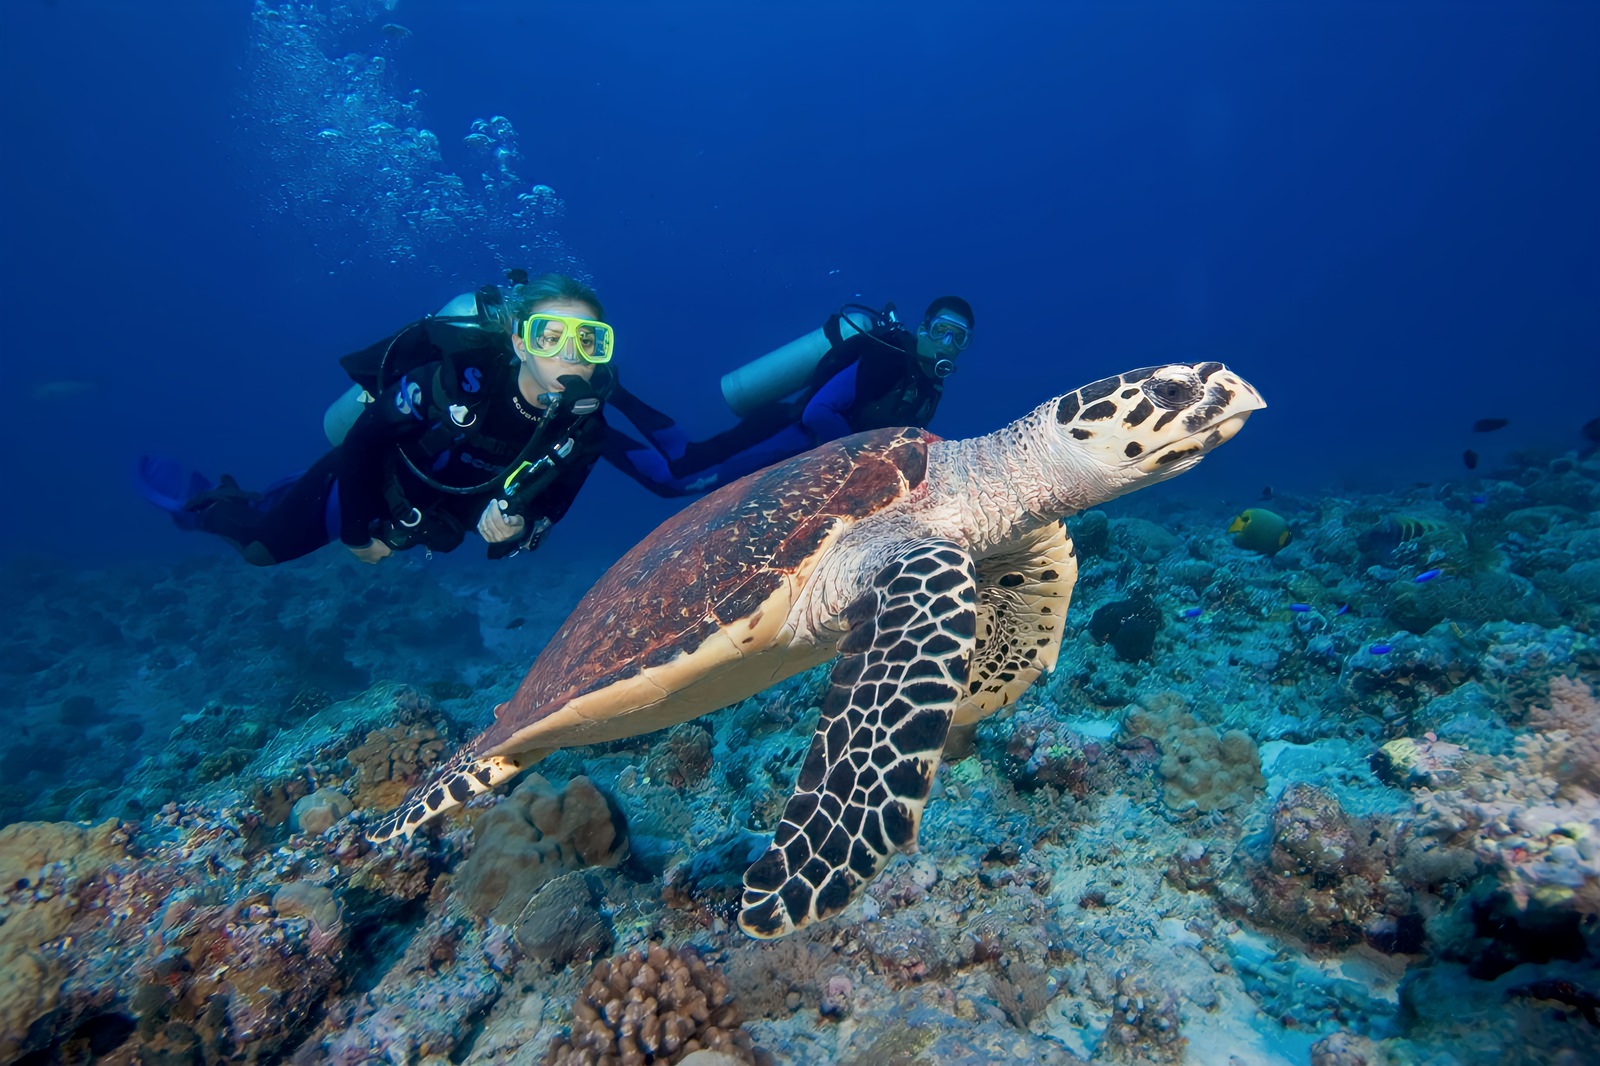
{"x":1123,"y":432}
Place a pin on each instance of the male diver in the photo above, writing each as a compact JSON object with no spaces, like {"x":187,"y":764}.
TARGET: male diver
{"x":486,"y":415}
{"x":862,"y":370}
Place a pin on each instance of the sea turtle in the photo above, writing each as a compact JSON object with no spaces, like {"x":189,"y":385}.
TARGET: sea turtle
{"x":937,"y":571}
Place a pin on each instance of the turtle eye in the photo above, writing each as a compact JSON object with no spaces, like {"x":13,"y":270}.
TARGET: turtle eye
{"x":1172,"y":394}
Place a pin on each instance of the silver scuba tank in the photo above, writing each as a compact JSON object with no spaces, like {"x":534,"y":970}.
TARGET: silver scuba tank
{"x":783,"y":370}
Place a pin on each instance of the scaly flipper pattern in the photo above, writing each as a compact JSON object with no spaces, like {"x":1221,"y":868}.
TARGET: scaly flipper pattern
{"x":859,"y":797}
{"x":451,"y":785}
{"x":1022,"y":605}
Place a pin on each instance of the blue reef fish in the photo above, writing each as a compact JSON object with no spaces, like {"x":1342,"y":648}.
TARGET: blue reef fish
{"x":1381,"y":649}
{"x":1299,"y":608}
{"x":1479,"y":498}
{"x":1193,"y":612}
{"x":1344,"y":608}
{"x":1427,"y":575}
{"x":1259,"y":530}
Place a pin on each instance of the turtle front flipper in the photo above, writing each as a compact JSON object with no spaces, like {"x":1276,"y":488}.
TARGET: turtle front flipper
{"x":452,"y":784}
{"x":1022,"y":603}
{"x":859,"y":798}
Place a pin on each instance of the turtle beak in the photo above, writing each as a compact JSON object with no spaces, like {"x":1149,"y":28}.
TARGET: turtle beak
{"x":1229,"y":402}
{"x":1228,"y":427}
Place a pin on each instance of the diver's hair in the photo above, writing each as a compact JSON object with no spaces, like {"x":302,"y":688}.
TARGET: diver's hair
{"x":950,"y":303}
{"x":546,"y":287}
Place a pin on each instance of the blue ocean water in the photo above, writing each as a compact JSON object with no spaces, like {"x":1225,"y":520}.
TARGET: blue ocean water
{"x":1384,"y":216}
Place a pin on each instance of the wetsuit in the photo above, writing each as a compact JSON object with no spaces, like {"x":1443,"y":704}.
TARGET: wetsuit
{"x":866,"y":381}
{"x":425,"y":458}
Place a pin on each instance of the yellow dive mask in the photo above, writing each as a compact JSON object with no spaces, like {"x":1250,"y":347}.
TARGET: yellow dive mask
{"x":548,"y":336}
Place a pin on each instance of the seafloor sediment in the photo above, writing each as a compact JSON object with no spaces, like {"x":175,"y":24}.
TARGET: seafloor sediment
{"x":1307,"y":807}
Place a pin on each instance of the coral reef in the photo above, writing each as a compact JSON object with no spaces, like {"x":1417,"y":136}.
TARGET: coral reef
{"x":44,"y":868}
{"x":1343,"y":809}
{"x":538,"y":833}
{"x":656,"y":1006}
{"x":1203,"y":769}
{"x":1328,"y":877}
{"x":389,"y":761}
{"x":1531,"y":819}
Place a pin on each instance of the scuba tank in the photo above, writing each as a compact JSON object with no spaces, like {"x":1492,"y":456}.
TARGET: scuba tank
{"x":343,"y":412}
{"x":787,"y":369}
{"x":483,"y":309}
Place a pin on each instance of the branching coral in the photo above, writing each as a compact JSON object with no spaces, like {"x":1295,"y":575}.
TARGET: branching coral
{"x":656,"y":1006}
{"x":1571,"y":728}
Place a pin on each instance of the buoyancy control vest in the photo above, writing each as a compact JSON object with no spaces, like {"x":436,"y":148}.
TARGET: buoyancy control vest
{"x":482,"y":436}
{"x":914,"y":395}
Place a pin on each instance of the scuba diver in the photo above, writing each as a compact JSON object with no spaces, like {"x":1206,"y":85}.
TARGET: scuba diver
{"x":486,"y":415}
{"x":863,"y":369}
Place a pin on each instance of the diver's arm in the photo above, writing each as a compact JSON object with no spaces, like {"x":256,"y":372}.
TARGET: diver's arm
{"x":825,"y":414}
{"x":361,"y":477}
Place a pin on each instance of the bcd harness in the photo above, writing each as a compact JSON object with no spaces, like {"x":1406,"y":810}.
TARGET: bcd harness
{"x":480,"y":370}
{"x":915,"y":391}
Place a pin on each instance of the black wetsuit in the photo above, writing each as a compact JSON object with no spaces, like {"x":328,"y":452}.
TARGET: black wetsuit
{"x":867,"y":381}
{"x":426,"y":457}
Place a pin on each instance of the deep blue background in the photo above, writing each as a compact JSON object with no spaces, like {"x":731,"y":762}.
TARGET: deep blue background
{"x":1384,"y":215}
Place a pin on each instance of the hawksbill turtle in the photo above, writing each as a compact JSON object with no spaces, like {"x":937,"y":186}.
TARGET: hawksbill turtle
{"x":937,"y":572}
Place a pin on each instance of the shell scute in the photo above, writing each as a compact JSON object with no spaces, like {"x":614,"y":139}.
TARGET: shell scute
{"x":712,"y":565}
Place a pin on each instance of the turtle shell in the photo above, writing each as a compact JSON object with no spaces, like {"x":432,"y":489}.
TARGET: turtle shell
{"x":675,"y":628}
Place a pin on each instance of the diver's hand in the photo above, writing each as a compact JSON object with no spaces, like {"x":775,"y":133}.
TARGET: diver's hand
{"x":375,"y":551}
{"x":496,"y":526}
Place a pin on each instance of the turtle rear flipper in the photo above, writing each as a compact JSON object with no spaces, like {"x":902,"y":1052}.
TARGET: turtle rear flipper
{"x":451,"y":785}
{"x":902,"y":670}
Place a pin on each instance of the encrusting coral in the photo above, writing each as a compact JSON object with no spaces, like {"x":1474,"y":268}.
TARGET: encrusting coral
{"x":1204,"y":770}
{"x":43,"y":868}
{"x":389,"y":761}
{"x":539,"y":832}
{"x":1329,"y":877}
{"x":1531,"y":818}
